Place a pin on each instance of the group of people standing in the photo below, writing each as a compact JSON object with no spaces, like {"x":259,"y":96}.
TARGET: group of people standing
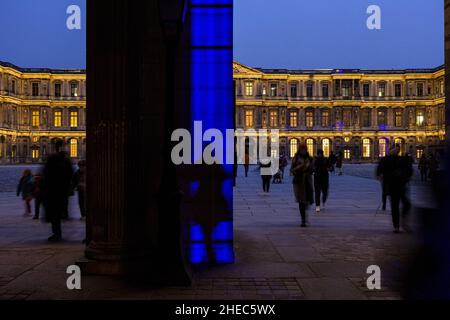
{"x":428,"y":166}
{"x":52,"y":188}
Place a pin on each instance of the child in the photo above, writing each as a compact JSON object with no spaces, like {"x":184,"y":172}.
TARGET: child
{"x":26,"y":188}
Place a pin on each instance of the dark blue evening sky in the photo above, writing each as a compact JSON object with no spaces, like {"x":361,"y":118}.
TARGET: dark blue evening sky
{"x":333,"y":34}
{"x":268,"y":33}
{"x":33,"y":33}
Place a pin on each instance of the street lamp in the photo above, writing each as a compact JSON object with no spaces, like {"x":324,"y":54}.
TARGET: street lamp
{"x":174,"y":268}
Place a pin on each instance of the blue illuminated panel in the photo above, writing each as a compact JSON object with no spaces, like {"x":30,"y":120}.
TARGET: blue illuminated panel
{"x":212,"y":102}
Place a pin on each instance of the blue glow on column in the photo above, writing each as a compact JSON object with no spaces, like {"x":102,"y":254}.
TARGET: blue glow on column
{"x":212,"y":102}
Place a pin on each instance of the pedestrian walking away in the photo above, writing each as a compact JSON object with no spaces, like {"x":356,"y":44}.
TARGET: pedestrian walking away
{"x":25,"y":188}
{"x":321,"y":179}
{"x":301,"y":169}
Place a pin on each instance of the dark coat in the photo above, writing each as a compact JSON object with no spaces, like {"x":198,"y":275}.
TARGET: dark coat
{"x":321,"y":166}
{"x":396,"y":172}
{"x":302,"y":169}
{"x":26,"y":187}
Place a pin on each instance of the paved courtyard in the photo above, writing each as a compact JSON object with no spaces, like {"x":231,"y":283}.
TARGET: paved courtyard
{"x":276,"y":259}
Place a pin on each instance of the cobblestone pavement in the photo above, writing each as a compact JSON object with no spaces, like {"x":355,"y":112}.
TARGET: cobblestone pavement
{"x":275,"y":258}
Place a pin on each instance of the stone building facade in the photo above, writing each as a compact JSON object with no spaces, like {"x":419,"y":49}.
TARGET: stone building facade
{"x":38,"y":106}
{"x":357,"y":112}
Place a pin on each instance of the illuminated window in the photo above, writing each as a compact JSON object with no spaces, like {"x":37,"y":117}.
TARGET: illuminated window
{"x":398,"y":118}
{"x":57,"y":89}
{"x":74,"y":89}
{"x":382,"y":146}
{"x":293,"y":119}
{"x":400,"y":143}
{"x":274,"y":153}
{"x":264,"y":91}
{"x":419,"y":153}
{"x":382,"y":90}
{"x":420,"y":118}
{"x":273,"y":90}
{"x":35,"y":153}
{"x":35,"y":121}
{"x":326,"y":147}
{"x":366,"y":148}
{"x":325,"y":118}
{"x":381,"y":118}
{"x":73,"y":148}
{"x":273,"y":118}
{"x":249,"y":118}
{"x":347,"y":154}
{"x":73,"y":119}
{"x":309,"y":119}
{"x":249,"y":88}
{"x":57,"y":118}
{"x":345,"y":89}
{"x":293,"y":146}
{"x":310,"y":146}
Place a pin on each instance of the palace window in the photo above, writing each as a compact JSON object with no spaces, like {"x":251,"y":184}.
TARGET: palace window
{"x":325,"y":93}
{"x":35,"y":153}
{"x":420,"y":89}
{"x":325,"y":119}
{"x":366,"y":148}
{"x":57,"y":89}
{"x":13,"y":87}
{"x":264,"y":91}
{"x":309,"y":90}
{"x":293,"y":147}
{"x":419,"y":153}
{"x":399,"y":142}
{"x":366,"y":90}
{"x":73,"y":119}
{"x":74,"y":89}
{"x":293,"y":90}
{"x":57,"y":119}
{"x":420,"y":118}
{"x":398,"y":119}
{"x":365,"y":118}
{"x":345,"y":89}
{"x":309,"y":119}
{"x":382,"y":90}
{"x":273,"y":90}
{"x":293,"y":119}
{"x":35,"y":121}
{"x":382,"y":118}
{"x":73,"y":148}
{"x":35,"y":89}
{"x":326,"y":147}
{"x":398,"y":90}
{"x":249,"y":118}
{"x":347,"y":154}
{"x":310,"y":146}
{"x":382,"y":146}
{"x":249,"y":89}
{"x":347,"y":118}
{"x":273,"y":118}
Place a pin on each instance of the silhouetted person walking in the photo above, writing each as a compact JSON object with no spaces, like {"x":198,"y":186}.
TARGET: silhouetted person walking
{"x":332,"y":159}
{"x":79,"y":183}
{"x":56,"y":186}
{"x":397,"y":171}
{"x":25,"y":188}
{"x":339,"y":163}
{"x":246,"y":163}
{"x":380,"y":177}
{"x":321,"y":178}
{"x":37,"y":194}
{"x":423,"y":168}
{"x":266,"y":177}
{"x":301,"y":169}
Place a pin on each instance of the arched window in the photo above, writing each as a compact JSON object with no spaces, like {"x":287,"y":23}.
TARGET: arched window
{"x":326,"y":147}
{"x":382,"y":146}
{"x":310,"y":146}
{"x":366,"y":148}
{"x":293,"y":147}
{"x":401,"y":144}
{"x":73,"y":148}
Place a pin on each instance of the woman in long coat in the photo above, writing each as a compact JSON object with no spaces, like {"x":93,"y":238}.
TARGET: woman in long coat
{"x":301,"y":169}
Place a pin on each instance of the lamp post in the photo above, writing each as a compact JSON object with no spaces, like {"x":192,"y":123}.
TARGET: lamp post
{"x":174,"y":268}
